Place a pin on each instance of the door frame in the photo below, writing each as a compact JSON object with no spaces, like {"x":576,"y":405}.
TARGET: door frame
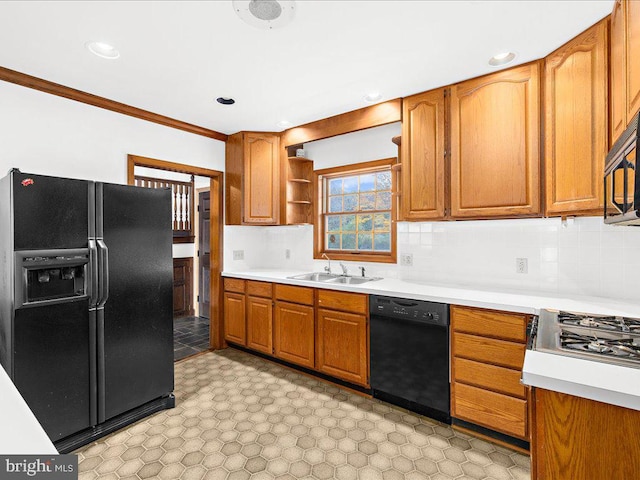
{"x":216,"y":187}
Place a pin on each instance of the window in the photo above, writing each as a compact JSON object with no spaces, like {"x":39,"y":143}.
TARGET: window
{"x":355,"y":218}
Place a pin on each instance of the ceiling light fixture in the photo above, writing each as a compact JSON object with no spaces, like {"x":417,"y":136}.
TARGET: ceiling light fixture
{"x":501,"y":59}
{"x":268,"y":14}
{"x":103,"y":50}
{"x":372,"y":97}
{"x":225,"y":100}
{"x":284,"y":124}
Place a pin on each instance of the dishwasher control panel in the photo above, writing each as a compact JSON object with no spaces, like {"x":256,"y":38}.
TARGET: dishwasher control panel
{"x":402,"y":308}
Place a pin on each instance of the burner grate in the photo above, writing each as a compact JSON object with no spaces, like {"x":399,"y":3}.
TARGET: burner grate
{"x":600,"y":322}
{"x":590,"y":344}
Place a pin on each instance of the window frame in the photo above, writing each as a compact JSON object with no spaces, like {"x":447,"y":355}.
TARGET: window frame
{"x":319,"y":237}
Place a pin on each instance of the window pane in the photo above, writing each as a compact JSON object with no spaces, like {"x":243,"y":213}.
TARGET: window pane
{"x":350,"y":203}
{"x":365,"y":223}
{"x":364,"y":241}
{"x":333,"y":242}
{"x":335,"y":186}
{"x":382,"y":222}
{"x":367,"y":201}
{"x":348,"y":223}
{"x":367,"y":182}
{"x":383,"y":201}
{"x":350,"y":184}
{"x":333,"y":223}
{"x":382,"y":242}
{"x":335,"y":204}
{"x":383,"y":181}
{"x":348,"y":241}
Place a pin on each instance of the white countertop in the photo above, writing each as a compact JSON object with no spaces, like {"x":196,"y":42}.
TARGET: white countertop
{"x":603,"y":382}
{"x":617,"y":385}
{"x":506,"y":300}
{"x":20,"y":432}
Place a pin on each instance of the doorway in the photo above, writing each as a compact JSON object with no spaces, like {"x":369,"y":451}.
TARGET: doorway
{"x":212,"y":230}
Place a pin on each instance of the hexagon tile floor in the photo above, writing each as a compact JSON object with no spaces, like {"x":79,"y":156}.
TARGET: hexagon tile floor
{"x":240,"y":417}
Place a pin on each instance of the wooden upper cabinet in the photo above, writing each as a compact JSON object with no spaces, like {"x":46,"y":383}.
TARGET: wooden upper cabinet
{"x":576,"y":138}
{"x":261,"y":178}
{"x":625,"y":65}
{"x":423,"y":156}
{"x":495,"y":144}
{"x":632,"y":35}
{"x":252,"y":183}
{"x":617,"y":73}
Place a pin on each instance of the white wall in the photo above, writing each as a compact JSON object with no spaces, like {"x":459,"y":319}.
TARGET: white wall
{"x":363,"y":146}
{"x":581,"y":256}
{"x":50,"y":135}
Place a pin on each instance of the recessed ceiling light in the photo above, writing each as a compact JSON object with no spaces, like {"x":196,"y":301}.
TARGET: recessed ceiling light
{"x":284,"y":124}
{"x":267,"y":14}
{"x":372,"y":97}
{"x":225,"y":100}
{"x":103,"y":50}
{"x":501,"y":59}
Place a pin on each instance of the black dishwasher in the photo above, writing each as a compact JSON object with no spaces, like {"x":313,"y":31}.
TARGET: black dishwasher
{"x":410,"y":354}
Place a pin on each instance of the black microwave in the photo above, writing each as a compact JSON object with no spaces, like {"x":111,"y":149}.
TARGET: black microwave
{"x":621,"y":180}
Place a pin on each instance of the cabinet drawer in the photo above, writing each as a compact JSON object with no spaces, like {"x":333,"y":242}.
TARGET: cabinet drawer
{"x":294,"y":294}
{"x":234,"y":285}
{"x":492,"y":377}
{"x":348,"y":302}
{"x":489,"y":409}
{"x":488,"y":350}
{"x":509,"y":326}
{"x":259,"y":289}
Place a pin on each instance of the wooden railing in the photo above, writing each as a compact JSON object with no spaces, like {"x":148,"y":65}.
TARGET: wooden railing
{"x":182,"y":195}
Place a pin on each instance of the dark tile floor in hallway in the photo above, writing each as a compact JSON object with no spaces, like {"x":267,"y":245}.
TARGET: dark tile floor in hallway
{"x":190,"y":336}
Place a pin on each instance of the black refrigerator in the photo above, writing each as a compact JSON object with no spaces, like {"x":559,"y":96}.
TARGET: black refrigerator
{"x":86,"y":302}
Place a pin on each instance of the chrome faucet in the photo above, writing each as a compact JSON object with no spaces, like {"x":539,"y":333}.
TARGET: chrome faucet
{"x":361,"y":270}
{"x":344,"y":269}
{"x":328,"y":267}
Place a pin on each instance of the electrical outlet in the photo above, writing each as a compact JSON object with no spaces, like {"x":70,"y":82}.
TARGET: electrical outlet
{"x":238,"y":254}
{"x":406,"y":259}
{"x":522,"y":265}
{"x":287,"y":254}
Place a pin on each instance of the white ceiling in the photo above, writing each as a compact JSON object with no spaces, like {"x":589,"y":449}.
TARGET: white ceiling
{"x":177,"y":57}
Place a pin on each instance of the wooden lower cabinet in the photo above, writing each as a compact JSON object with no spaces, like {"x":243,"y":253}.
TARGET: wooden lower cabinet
{"x":487,"y":349}
{"x":235,"y":329}
{"x":294,"y":333}
{"x":579,"y":439}
{"x":341,"y":346}
{"x":490,"y":409}
{"x":259,"y":324}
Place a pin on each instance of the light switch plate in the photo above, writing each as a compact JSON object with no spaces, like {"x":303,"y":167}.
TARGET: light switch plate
{"x":238,"y":254}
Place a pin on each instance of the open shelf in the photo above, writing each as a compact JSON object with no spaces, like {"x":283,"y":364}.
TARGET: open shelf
{"x":299,"y":189}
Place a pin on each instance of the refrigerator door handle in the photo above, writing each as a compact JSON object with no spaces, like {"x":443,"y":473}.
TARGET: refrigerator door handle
{"x":103,"y":263}
{"x":93,"y":273}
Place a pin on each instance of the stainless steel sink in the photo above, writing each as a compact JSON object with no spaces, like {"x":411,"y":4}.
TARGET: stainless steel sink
{"x":352,"y":280}
{"x":333,"y":278}
{"x":314,"y":276}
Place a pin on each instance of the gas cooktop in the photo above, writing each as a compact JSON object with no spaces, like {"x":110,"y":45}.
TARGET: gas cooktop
{"x":612,"y":339}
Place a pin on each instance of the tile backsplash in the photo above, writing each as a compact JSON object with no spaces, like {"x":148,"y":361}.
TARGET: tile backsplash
{"x":580,"y":256}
